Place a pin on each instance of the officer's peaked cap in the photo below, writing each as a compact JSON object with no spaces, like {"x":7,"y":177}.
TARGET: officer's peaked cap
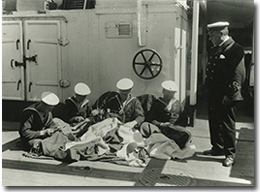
{"x":217,"y":26}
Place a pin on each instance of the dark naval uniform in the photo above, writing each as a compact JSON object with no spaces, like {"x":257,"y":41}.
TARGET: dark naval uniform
{"x":224,"y":78}
{"x":161,"y":113}
{"x":74,"y":109}
{"x":31,"y":123}
{"x":128,"y":111}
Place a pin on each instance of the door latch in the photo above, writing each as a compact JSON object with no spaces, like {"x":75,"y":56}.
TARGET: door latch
{"x":32,"y":58}
{"x":18,"y":64}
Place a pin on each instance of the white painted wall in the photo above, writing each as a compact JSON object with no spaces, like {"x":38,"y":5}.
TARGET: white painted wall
{"x":100,"y":62}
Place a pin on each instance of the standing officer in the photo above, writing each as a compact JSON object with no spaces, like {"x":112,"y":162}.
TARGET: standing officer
{"x":225,"y":76}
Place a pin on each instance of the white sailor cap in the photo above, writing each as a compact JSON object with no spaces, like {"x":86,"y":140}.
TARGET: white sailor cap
{"x":217,"y":26}
{"x":82,"y":89}
{"x":170,"y":85}
{"x":125,"y":84}
{"x":49,"y":98}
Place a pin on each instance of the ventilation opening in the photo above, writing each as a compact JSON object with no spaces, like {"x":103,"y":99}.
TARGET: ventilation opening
{"x":124,"y":29}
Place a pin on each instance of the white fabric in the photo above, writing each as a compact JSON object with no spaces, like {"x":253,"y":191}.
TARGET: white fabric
{"x":161,"y":147}
{"x":125,"y":154}
{"x":102,"y":146}
{"x":129,"y":135}
{"x":100,"y":129}
{"x":97,"y":131}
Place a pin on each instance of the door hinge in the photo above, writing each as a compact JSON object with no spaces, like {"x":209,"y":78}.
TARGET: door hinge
{"x":64,"y":83}
{"x":63,"y":42}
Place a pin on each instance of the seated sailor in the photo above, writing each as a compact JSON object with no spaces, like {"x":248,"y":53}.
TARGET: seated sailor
{"x":124,"y":106}
{"x":165,"y":116}
{"x":36,"y":122}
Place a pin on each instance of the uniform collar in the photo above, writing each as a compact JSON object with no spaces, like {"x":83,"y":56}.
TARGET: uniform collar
{"x":224,"y":46}
{"x":169,"y":105}
{"x":228,"y":44}
{"x":224,"y":41}
{"x":162,"y":101}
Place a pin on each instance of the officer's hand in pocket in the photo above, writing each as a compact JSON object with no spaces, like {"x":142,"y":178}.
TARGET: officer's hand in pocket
{"x":226,"y":101}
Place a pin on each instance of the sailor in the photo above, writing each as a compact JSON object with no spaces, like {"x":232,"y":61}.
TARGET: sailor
{"x":36,"y":122}
{"x":225,"y":75}
{"x":77,"y":108}
{"x":124,"y":106}
{"x":166,"y":116}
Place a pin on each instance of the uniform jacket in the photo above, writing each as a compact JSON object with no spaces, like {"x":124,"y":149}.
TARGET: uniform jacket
{"x":32,"y":122}
{"x":131,"y":110}
{"x":163,"y":112}
{"x":226,"y":70}
{"x":74,"y":109}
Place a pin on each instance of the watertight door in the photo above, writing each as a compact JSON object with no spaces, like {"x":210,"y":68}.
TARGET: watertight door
{"x":12,"y":61}
{"x":43,"y":57}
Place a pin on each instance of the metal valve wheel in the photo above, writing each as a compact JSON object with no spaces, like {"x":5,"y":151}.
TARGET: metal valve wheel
{"x":147,"y":64}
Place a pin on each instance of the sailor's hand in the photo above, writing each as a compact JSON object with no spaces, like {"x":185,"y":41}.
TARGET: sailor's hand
{"x":165,"y":124}
{"x":79,"y":119}
{"x":95,"y":112}
{"x":47,"y":132}
{"x":172,"y":121}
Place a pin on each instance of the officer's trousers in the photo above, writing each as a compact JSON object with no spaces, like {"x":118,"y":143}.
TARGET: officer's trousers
{"x":222,"y":125}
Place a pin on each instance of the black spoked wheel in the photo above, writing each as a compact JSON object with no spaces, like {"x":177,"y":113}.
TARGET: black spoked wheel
{"x":147,"y":64}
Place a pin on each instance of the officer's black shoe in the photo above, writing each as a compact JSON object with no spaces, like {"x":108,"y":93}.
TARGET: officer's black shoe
{"x":229,"y":161}
{"x":213,"y":152}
